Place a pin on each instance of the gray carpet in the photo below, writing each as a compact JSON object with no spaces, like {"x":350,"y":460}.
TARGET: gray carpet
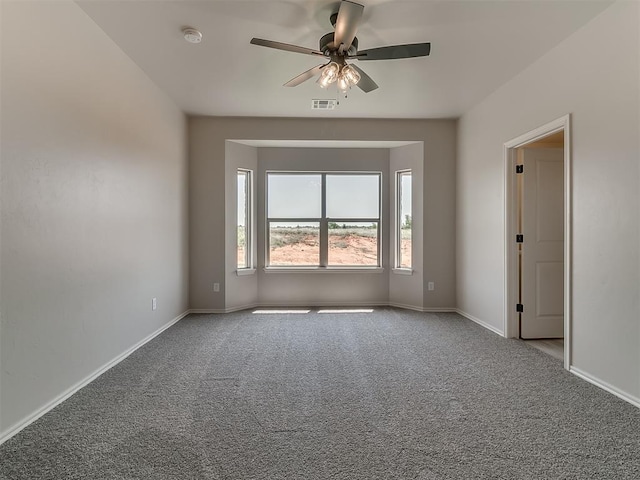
{"x":393,"y":394}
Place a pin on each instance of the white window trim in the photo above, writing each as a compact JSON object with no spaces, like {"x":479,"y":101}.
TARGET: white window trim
{"x":341,"y":269}
{"x":397,"y":229}
{"x":241,"y":272}
{"x":323,"y":227}
{"x":402,"y":271}
{"x":249,"y":235}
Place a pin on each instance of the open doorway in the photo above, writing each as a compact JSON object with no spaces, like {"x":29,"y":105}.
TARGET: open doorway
{"x":537,"y":207}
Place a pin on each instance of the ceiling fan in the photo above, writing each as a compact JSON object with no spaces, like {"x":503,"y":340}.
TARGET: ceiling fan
{"x":342,"y":45}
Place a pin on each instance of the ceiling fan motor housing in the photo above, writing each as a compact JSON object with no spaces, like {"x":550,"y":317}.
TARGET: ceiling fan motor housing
{"x":329,"y":48}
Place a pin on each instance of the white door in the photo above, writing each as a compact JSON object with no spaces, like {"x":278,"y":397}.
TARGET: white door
{"x":542,"y":265}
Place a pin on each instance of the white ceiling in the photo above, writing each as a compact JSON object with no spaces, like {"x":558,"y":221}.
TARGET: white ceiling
{"x":476,"y":46}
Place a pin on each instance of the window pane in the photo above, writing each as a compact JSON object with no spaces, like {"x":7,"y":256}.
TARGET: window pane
{"x":353,"y":244}
{"x":243,"y":216}
{"x":404,"y":220}
{"x":294,"y":196}
{"x":294,"y":243}
{"x":353,"y":196}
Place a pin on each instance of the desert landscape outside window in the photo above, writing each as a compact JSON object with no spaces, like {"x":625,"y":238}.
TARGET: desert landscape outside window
{"x":323,"y":219}
{"x":403,"y":219}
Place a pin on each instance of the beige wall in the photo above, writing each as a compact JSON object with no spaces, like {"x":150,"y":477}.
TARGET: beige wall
{"x":408,"y":290}
{"x":594,"y":76}
{"x":239,"y":291}
{"x":207,"y":194}
{"x":94,"y":206}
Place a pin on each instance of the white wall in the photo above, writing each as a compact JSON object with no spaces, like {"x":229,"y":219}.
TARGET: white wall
{"x":207,"y":136}
{"x":594,"y":76}
{"x":94,"y":211}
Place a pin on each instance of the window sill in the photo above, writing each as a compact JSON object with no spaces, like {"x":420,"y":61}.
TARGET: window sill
{"x":323,"y":269}
{"x":402,"y":271}
{"x":241,"y":272}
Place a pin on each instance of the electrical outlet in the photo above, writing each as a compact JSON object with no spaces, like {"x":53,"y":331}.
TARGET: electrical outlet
{"x":154,"y":303}
{"x":216,"y":287}
{"x":431,"y":286}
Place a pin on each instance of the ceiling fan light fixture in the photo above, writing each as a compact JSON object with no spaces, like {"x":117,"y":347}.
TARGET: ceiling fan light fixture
{"x":351,"y":75}
{"x":323,"y":82}
{"x":342,"y":45}
{"x":343,"y":84}
{"x":329,"y":75}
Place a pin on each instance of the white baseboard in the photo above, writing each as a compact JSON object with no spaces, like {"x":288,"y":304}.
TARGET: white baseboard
{"x":207,"y":310}
{"x":284,"y":305}
{"x":25,"y":422}
{"x":627,"y":397}
{"x":421,"y":309}
{"x":482,"y":323}
{"x":222,"y":310}
{"x":324,"y":305}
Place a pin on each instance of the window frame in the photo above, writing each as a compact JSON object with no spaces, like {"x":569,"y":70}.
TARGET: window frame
{"x":397,"y":262}
{"x":323,"y":222}
{"x":248,"y":215}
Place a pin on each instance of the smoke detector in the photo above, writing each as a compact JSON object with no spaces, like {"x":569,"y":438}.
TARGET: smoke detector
{"x":192,"y":35}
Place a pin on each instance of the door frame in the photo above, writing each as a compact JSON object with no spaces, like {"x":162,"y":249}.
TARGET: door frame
{"x":511,"y":323}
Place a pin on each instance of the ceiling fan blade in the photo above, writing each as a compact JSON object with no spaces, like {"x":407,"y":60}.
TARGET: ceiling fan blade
{"x":285,"y":46}
{"x":366,"y":83}
{"x":303,"y":77}
{"x":395,"y":51}
{"x":347,"y":22}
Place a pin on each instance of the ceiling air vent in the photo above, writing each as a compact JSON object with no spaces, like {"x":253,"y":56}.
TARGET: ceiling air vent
{"x":323,"y":104}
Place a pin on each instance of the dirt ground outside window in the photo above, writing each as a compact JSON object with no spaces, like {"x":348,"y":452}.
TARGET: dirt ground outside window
{"x":347,"y":247}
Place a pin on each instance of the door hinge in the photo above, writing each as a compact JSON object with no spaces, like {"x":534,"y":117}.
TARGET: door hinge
{"x":519,"y":238}
{"x":519,"y":308}
{"x":519,"y":168}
